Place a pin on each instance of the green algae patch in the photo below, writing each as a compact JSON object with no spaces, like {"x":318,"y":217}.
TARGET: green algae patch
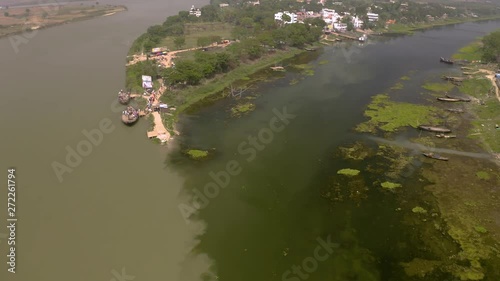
{"x":197,"y":154}
{"x":390,"y":185}
{"x":420,"y":267}
{"x":483,"y":175}
{"x":294,"y":81}
{"x":480,"y":229}
{"x":405,"y":78}
{"x":356,"y":152}
{"x":419,"y":210}
{"x":308,"y":72}
{"x":323,"y":62}
{"x":398,"y":86}
{"x":348,"y":172}
{"x":242,"y":108}
{"x":389,"y":116}
{"x":438,"y":87}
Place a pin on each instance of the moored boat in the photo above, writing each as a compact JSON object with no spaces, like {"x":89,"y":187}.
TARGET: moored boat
{"x":434,"y":129}
{"x":130,"y":115}
{"x":448,"y":99}
{"x":435,"y":156}
{"x":446,"y":60}
{"x":123,"y":97}
{"x":446,"y":136}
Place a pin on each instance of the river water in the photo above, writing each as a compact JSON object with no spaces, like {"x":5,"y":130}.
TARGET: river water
{"x":115,"y":209}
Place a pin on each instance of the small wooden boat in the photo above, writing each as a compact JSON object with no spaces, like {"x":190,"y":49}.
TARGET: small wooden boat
{"x":434,"y":129}
{"x":446,"y":136}
{"x":448,"y":99}
{"x":123,"y":97}
{"x":454,"y":79}
{"x":455,"y":110}
{"x":458,"y":98}
{"x":435,"y":156}
{"x":130,"y":115}
{"x":278,"y":68}
{"x":446,"y":60}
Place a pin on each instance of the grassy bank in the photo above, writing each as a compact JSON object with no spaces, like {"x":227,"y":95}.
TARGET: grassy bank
{"x":18,"y":20}
{"x":197,"y":94}
{"x":410,"y":28}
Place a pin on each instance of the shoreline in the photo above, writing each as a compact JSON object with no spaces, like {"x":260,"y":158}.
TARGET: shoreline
{"x":408,"y":30}
{"x":114,"y":10}
{"x":210,"y":88}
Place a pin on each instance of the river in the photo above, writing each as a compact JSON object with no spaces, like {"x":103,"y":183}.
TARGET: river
{"x":116,"y":210}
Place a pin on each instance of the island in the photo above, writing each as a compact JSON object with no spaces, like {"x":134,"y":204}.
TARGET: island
{"x":26,"y":16}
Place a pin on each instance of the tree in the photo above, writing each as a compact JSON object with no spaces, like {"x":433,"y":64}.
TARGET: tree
{"x":491,"y":47}
{"x":6,"y":14}
{"x":209,"y":13}
{"x":183,"y":15}
{"x":203,"y":41}
{"x":179,"y":41}
{"x":286,"y":18}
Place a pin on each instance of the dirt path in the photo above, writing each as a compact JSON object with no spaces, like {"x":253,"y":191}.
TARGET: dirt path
{"x":166,"y":60}
{"x":491,"y":75}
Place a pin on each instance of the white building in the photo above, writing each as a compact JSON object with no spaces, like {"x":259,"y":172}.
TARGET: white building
{"x":340,"y":26}
{"x":372,"y":17}
{"x":195,"y":12}
{"x":357,"y":22}
{"x":293,"y":17}
{"x":222,"y":5}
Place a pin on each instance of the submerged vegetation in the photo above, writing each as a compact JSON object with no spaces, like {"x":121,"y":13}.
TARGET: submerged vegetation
{"x":242,"y":108}
{"x":348,"y":172}
{"x":390,"y":185}
{"x":197,"y":154}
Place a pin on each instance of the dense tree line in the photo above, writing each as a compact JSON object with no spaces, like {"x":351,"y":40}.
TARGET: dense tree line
{"x":491,"y":47}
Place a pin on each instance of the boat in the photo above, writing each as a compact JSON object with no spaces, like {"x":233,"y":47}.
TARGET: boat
{"x":455,"y":110}
{"x":278,"y":68}
{"x":130,"y":115}
{"x":434,"y":156}
{"x":448,"y":99}
{"x":434,"y":129}
{"x":446,"y":136}
{"x":458,"y":98}
{"x":362,"y":38}
{"x":123,"y":97}
{"x":454,"y":79}
{"x":446,"y":60}
{"x":310,"y":49}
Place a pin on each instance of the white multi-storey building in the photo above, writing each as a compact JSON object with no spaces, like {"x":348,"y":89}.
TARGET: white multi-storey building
{"x":195,"y":12}
{"x":372,"y":17}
